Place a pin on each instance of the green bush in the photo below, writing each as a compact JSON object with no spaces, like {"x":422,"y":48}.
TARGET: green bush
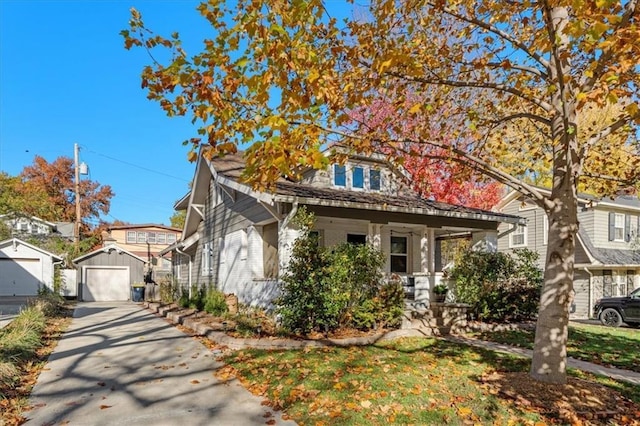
{"x":183,"y":300}
{"x":197,"y":299}
{"x":325,"y":290}
{"x":498,"y":286}
{"x":215,"y":302}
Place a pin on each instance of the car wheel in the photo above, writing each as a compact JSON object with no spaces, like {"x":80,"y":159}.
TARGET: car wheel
{"x":611,"y":318}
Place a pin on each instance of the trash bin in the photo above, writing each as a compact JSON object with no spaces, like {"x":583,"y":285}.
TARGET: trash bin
{"x":138,"y":293}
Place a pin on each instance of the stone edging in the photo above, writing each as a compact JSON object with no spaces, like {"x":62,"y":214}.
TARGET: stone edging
{"x":237,"y":343}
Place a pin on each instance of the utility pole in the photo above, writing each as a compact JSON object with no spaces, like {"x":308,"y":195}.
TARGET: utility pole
{"x":77,"y":191}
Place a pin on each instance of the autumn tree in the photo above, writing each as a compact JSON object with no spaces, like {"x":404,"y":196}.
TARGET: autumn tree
{"x":178,"y":218}
{"x":286,"y":77}
{"x":56,"y":181}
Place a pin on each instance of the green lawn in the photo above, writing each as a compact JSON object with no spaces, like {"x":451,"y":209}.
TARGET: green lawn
{"x":616,"y":347}
{"x":407,"y":381}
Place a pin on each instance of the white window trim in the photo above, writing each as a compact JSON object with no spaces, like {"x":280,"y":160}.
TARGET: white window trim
{"x":368,"y":177}
{"x":514,"y":233}
{"x":133,"y":240}
{"x":406,"y":254}
{"x":206,"y":259}
{"x":616,"y":227}
{"x":545,"y":229}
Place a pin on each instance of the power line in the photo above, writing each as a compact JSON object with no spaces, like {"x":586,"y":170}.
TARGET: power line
{"x":133,"y":165}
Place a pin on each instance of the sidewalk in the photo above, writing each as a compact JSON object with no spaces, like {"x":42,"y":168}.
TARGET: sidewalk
{"x":118,"y":364}
{"x":614,"y":373}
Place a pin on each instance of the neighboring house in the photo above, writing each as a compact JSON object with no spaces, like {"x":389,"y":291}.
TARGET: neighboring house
{"x":239,"y":239}
{"x":24,"y":226}
{"x":107,"y":274}
{"x":25,"y":269}
{"x":607,"y":261}
{"x":146,"y":241}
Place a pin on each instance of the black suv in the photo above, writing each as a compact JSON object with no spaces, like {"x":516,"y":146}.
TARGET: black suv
{"x":613,"y":311}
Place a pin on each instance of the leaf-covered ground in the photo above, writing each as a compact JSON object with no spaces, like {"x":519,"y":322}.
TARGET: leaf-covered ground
{"x":423,"y":381}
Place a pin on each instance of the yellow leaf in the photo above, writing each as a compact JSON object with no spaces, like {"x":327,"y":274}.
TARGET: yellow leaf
{"x":415,"y":109}
{"x":365,"y":404}
{"x":464,"y":411}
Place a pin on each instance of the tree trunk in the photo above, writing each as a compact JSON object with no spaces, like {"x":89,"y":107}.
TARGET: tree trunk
{"x":550,"y":348}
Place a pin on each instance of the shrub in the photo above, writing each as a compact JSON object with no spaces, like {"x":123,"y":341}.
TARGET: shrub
{"x":183,"y":300}
{"x":215,"y":302}
{"x":197,"y":299}
{"x":324,"y":290}
{"x":498,"y":286}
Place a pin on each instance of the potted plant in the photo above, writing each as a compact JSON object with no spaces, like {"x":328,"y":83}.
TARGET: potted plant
{"x":440,"y":290}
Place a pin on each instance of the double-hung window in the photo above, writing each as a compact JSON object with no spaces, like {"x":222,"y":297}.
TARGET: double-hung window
{"x":399,"y":254}
{"x":519,"y":236}
{"x":357,"y":177}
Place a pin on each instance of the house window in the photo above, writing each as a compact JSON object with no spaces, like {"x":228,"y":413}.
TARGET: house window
{"x":339,"y":175}
{"x":616,"y":227}
{"x":161,"y":238}
{"x":357,"y":176}
{"x":519,"y":237}
{"x":206,"y":259}
{"x":357,"y":239}
{"x":634,"y":222}
{"x":545,"y":229}
{"x":374,"y":180}
{"x":24,"y":227}
{"x":171,"y":238}
{"x":151,"y":237}
{"x":399,"y":254}
{"x":142,"y":237}
{"x":619,"y":283}
{"x":131,"y":237}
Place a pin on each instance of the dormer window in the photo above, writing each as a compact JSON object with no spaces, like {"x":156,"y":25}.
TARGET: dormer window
{"x":374,"y":179}
{"x":357,"y":177}
{"x":339,"y":175}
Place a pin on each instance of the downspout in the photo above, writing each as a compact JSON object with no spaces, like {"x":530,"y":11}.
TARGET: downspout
{"x":590,"y":305}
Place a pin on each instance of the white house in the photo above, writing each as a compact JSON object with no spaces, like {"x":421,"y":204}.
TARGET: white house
{"x":239,"y":239}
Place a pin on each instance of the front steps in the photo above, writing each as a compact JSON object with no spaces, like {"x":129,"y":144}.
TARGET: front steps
{"x":434,"y":319}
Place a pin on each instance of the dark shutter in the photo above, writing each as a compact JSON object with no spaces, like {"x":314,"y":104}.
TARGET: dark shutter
{"x":612,"y":226}
{"x":627,"y":228}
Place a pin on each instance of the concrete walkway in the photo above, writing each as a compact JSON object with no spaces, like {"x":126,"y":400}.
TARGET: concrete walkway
{"x":118,"y":364}
{"x":615,"y":373}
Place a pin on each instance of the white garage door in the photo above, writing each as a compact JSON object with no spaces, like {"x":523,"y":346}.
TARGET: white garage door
{"x":104,"y":284}
{"x":20,"y":276}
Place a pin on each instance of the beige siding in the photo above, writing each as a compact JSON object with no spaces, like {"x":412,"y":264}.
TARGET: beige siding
{"x":535,"y":229}
{"x":600,"y":235}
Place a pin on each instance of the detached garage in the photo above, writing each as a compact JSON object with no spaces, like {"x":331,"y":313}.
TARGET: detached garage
{"x":24,"y":268}
{"x":107,"y":274}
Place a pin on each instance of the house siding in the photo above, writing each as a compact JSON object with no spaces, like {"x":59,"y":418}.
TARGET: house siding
{"x":581,"y":306}
{"x":534,"y":230}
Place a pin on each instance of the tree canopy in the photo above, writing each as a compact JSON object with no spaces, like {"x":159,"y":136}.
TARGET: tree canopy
{"x":461,"y":77}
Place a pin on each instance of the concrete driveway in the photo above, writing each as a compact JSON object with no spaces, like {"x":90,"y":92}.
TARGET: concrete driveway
{"x":118,"y":364}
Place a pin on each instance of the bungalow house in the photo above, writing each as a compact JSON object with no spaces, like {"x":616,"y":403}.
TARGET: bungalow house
{"x":607,"y":260}
{"x":239,"y":239}
{"x":27,"y":226}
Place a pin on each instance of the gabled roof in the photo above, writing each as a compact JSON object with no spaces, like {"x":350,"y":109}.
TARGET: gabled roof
{"x":608,"y":256}
{"x":626,"y":202}
{"x":106,"y":249}
{"x":17,"y":241}
{"x":228,"y":169}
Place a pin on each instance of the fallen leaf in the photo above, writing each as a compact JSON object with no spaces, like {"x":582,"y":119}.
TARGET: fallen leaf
{"x":365,"y":404}
{"x":195,"y":382}
{"x":101,"y":383}
{"x":102,"y":407}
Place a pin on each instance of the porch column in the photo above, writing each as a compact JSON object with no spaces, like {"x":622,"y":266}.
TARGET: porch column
{"x":428,"y":251}
{"x":287,"y":235}
{"x":374,"y":238}
{"x":485,"y":241}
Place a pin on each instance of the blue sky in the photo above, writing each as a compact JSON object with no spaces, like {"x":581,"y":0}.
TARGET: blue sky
{"x":66,"y":78}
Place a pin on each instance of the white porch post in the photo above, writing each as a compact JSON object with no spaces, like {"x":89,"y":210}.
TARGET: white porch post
{"x":287,"y":235}
{"x":375,"y":238}
{"x":424,"y":278}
